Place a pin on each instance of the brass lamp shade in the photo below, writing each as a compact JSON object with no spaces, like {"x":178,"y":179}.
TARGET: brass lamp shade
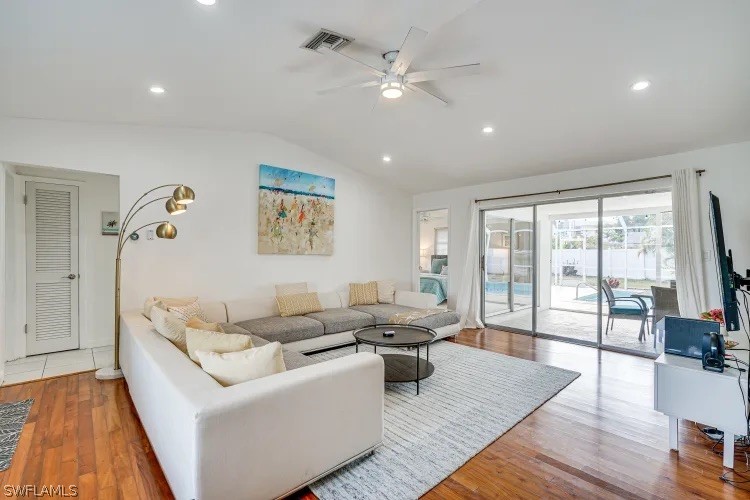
{"x":184,"y":195}
{"x":175,"y":208}
{"x":166,"y":230}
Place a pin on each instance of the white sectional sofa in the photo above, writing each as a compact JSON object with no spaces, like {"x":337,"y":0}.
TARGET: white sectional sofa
{"x":263,"y":438}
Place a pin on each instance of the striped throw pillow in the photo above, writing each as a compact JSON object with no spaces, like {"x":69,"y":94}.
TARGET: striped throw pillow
{"x":170,"y":327}
{"x":363,"y":294}
{"x":298,"y":304}
{"x":189,"y":311}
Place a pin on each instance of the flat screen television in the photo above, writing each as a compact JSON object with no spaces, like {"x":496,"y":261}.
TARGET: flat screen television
{"x":725,"y":269}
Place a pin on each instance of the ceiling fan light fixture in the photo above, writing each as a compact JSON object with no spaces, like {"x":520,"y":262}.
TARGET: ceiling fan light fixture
{"x":640,"y":85}
{"x":392,"y":90}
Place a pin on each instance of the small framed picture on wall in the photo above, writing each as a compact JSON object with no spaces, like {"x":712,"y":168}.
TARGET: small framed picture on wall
{"x":110,"y":223}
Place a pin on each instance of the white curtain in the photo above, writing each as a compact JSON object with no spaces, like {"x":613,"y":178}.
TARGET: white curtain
{"x":688,"y":252}
{"x":469,"y":295}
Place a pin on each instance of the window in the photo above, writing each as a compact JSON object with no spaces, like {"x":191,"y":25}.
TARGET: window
{"x":441,"y":241}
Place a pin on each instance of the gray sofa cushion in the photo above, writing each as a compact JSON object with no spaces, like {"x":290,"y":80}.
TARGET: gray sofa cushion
{"x":292,"y":359}
{"x":382,"y":312}
{"x":284,"y":330}
{"x":342,"y":319}
{"x":438,"y":320}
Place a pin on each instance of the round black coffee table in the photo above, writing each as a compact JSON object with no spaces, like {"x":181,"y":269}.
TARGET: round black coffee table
{"x":400,"y":367}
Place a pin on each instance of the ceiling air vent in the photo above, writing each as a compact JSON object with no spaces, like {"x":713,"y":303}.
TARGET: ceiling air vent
{"x":327,"y":38}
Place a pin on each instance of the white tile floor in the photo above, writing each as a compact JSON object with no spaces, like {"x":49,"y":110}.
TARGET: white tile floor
{"x":57,"y":363}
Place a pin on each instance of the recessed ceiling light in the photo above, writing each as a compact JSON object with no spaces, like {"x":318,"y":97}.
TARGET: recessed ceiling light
{"x":206,"y":2}
{"x":488,"y":130}
{"x":387,"y":159}
{"x":642,"y":85}
{"x":156,"y":89}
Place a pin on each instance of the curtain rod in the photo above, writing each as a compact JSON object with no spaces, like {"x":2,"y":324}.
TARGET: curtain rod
{"x":558,"y":191}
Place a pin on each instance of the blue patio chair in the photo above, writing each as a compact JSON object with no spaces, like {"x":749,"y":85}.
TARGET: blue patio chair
{"x":625,"y":308}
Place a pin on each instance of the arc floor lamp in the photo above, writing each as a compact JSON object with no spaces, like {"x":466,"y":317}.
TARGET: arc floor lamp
{"x":175,"y":204}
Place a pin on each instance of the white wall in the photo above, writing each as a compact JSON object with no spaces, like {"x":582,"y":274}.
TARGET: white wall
{"x":215,"y":254}
{"x":3,"y":266}
{"x":96,"y":193}
{"x":727,"y":175}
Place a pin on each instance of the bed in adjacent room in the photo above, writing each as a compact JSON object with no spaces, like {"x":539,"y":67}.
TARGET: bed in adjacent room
{"x":436,"y":281}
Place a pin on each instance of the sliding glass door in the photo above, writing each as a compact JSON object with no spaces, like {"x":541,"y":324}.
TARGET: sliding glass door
{"x":588,"y":270}
{"x":568,"y":260}
{"x":508,"y":267}
{"x":638,"y":262}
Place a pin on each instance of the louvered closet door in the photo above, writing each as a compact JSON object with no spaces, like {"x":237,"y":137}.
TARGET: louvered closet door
{"x":51,"y":267}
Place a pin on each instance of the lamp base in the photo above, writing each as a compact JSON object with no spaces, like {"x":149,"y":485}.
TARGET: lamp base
{"x":108,"y":373}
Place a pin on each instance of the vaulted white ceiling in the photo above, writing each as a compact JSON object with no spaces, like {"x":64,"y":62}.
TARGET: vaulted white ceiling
{"x":554,"y":85}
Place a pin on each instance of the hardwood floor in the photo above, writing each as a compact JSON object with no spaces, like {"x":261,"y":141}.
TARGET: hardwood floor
{"x":85,"y":433}
{"x":598,"y":438}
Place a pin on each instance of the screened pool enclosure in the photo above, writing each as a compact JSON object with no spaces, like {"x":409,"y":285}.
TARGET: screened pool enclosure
{"x":542,"y":266}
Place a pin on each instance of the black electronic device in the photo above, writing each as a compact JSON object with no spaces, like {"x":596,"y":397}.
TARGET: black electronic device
{"x":684,"y":336}
{"x":713,"y":352}
{"x":729,"y":281}
{"x":389,"y":333}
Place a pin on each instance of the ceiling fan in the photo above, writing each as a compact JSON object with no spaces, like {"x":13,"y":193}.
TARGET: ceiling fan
{"x":394,"y":79}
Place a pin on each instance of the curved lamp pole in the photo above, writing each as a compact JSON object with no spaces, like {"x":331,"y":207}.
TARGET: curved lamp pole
{"x":175,"y":204}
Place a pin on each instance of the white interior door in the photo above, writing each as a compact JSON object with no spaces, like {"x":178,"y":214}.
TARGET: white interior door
{"x":51,"y":267}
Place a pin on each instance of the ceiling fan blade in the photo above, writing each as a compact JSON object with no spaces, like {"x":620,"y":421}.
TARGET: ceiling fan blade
{"x":364,"y":66}
{"x":427,"y":94}
{"x":409,"y":49}
{"x":439,"y":74}
{"x":375,"y":105}
{"x":363,"y":85}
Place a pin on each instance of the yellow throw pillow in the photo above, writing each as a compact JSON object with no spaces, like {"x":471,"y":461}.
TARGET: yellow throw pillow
{"x":169,"y":327}
{"x":202,"y":340}
{"x":236,"y":367}
{"x":199,"y":324}
{"x":298,"y":304}
{"x":362,"y":294}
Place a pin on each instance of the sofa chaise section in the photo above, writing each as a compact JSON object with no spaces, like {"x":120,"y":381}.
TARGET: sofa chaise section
{"x":260,"y":439}
{"x":383,"y":312}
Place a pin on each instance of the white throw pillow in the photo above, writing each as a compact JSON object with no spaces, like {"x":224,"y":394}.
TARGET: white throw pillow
{"x":235,"y":367}
{"x":189,"y":311}
{"x":165,"y":303}
{"x":169,"y":327}
{"x":290,"y":289}
{"x":386,"y":291}
{"x":203,"y":340}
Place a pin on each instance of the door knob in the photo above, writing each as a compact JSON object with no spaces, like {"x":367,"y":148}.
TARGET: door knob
{"x":71,"y":276}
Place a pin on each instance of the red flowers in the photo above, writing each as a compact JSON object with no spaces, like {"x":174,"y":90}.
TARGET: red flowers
{"x":714,"y":315}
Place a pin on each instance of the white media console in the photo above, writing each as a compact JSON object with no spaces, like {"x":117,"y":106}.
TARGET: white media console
{"x":684,"y":390}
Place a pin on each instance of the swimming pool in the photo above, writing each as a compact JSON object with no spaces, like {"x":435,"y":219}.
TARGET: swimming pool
{"x":502,"y":287}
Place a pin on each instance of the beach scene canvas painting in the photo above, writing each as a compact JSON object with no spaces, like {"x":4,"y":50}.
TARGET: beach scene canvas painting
{"x":295,"y":212}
